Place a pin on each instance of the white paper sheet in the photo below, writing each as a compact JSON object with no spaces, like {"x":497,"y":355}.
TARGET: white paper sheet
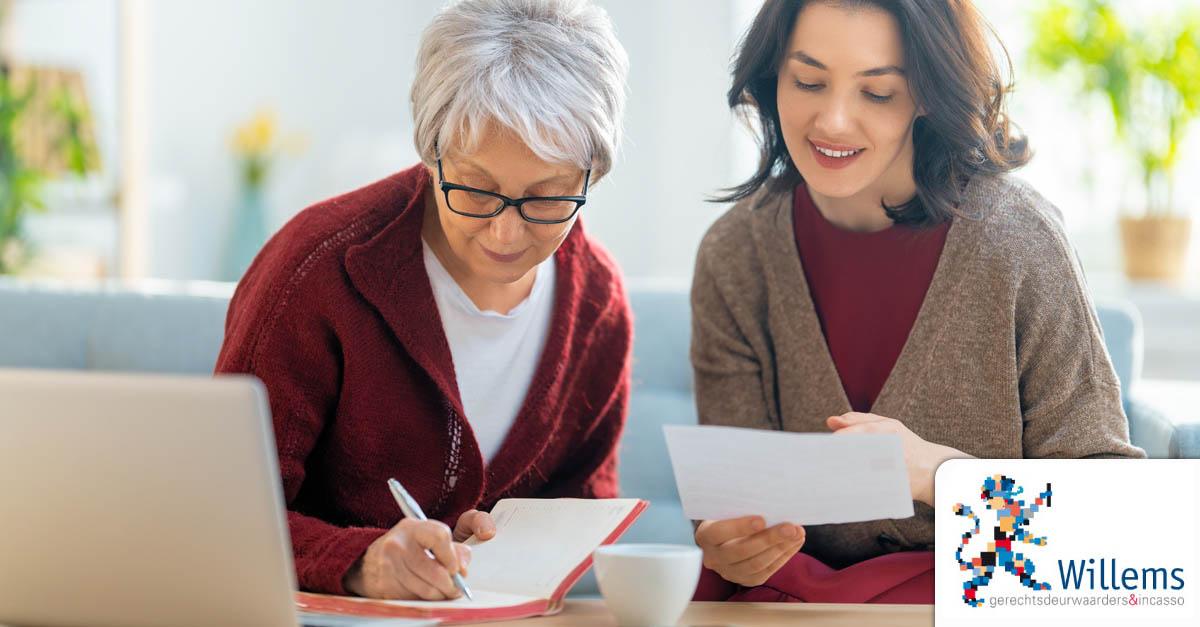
{"x":803,"y":478}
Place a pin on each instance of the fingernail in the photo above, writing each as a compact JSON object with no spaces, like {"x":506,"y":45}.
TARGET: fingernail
{"x":758,"y":524}
{"x":788,"y":531}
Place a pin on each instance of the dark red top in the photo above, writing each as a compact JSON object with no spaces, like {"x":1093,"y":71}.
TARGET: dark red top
{"x":337,"y":317}
{"x":867,"y":289}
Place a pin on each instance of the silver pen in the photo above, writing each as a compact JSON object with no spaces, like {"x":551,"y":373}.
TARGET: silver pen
{"x":411,"y":509}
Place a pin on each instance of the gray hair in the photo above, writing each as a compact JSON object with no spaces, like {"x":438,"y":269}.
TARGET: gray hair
{"x":550,"y":70}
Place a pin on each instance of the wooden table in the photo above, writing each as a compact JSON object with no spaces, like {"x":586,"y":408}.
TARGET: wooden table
{"x":588,"y":613}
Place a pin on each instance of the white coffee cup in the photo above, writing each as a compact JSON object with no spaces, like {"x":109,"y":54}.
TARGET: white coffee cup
{"x":647,"y":584}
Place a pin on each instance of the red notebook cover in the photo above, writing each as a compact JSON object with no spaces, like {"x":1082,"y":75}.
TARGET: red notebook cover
{"x":463,"y":613}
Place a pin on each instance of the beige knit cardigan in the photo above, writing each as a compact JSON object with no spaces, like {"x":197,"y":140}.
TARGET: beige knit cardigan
{"x":1005,"y":358}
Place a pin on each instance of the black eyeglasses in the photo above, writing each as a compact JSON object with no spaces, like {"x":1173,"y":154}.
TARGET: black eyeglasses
{"x":477,"y":203}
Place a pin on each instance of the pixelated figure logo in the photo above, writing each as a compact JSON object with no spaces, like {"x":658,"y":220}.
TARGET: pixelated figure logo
{"x":999,"y":494}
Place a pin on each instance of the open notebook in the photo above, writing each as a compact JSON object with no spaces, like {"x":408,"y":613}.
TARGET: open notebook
{"x":542,"y":547}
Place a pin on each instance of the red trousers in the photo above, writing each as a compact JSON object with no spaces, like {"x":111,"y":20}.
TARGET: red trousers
{"x":905,"y":577}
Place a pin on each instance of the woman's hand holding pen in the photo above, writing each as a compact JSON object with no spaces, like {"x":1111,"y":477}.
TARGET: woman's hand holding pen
{"x":396,"y":566}
{"x":744,"y":551}
{"x":921,"y":456}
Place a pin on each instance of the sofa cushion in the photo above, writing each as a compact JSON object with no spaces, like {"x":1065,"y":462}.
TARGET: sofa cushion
{"x":1121,"y":325}
{"x":147,"y":326}
{"x":170,"y":334}
{"x":662,"y":323}
{"x":644,"y":467}
{"x":42,"y":328}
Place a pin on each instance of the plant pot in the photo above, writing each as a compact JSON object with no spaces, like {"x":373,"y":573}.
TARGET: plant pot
{"x":12,"y":253}
{"x":1155,"y":247}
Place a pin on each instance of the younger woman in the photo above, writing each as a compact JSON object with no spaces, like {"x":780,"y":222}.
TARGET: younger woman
{"x":881,"y":274}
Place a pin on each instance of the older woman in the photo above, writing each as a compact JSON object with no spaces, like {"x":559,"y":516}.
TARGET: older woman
{"x":881,"y":273}
{"x":451,"y":325}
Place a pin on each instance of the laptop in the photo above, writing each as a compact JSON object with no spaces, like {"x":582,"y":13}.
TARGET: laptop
{"x":143,"y":500}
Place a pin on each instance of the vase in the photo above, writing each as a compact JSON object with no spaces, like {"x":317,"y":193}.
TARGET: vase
{"x":247,"y":235}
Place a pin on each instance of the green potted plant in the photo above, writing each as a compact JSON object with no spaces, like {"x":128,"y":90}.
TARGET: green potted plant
{"x":60,"y":125}
{"x":19,"y":184}
{"x":1149,"y":77}
{"x":44,"y":131}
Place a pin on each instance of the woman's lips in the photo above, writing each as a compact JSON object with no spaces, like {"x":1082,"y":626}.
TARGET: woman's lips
{"x":831,"y":146}
{"x":499,"y":258}
{"x":832,"y":163}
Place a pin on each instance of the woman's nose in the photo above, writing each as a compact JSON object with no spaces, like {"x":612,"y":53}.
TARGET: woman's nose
{"x":508,"y":227}
{"x":833,"y":120}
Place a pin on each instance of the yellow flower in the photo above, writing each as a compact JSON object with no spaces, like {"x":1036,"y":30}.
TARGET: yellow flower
{"x":258,"y":142}
{"x":256,"y":137}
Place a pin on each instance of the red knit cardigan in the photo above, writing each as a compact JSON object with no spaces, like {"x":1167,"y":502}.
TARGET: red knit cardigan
{"x":337,"y":318}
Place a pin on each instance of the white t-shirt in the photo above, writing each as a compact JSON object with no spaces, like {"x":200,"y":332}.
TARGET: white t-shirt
{"x":495,"y":355}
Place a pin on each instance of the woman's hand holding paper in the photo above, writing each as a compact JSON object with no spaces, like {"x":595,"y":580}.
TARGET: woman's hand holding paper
{"x":921,"y":456}
{"x":744,"y":551}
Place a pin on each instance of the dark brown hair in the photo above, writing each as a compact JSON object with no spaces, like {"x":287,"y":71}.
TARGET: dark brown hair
{"x":963,"y":130}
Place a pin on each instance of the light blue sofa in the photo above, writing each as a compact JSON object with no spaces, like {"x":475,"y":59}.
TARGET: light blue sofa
{"x":171,"y":327}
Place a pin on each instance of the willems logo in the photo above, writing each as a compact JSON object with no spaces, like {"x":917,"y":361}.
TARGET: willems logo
{"x":1000,"y":495}
{"x":1067,"y":542}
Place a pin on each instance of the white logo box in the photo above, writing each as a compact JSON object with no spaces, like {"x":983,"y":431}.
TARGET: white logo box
{"x":1123,"y":533}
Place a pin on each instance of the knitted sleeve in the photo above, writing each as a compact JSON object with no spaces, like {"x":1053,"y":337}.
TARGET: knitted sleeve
{"x":278,"y":333}
{"x":732,"y":380}
{"x":1070,"y":396}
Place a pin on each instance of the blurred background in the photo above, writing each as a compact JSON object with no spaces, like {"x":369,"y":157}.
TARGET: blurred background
{"x":166,"y":139}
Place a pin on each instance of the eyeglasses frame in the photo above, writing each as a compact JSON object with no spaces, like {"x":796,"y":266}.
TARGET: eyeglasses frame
{"x":447,"y":187}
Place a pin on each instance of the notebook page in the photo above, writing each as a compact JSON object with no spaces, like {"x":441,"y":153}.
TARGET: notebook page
{"x":540,"y":541}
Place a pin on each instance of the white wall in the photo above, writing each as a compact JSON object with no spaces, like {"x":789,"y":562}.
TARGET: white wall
{"x":340,"y":72}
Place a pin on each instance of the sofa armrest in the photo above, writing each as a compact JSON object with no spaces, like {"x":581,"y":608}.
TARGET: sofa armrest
{"x":1175,"y":401}
{"x":1152,"y":431}
{"x":1188,"y":440}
